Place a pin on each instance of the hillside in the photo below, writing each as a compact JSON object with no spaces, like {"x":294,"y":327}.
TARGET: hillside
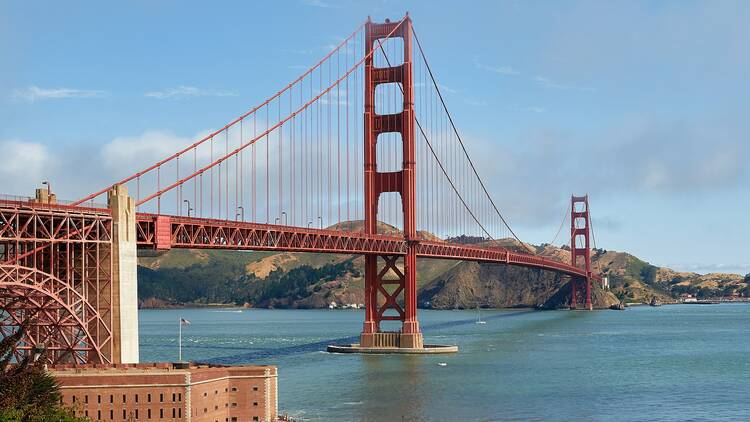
{"x":474,"y":285}
{"x":312,"y":280}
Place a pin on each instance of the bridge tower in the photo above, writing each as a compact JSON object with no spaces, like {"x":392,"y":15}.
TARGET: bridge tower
{"x":124,"y":276}
{"x":397,"y":277}
{"x":580,"y":246}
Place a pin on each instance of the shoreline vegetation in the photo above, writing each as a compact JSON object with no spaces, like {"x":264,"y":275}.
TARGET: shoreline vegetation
{"x":232,"y":307}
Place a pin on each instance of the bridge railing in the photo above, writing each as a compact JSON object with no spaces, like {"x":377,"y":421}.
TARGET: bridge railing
{"x":21,"y":200}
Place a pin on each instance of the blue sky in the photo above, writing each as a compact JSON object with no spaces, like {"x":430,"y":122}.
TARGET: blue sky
{"x":644,"y":105}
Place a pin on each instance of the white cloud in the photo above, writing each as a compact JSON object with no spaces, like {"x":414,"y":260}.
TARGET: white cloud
{"x":637,"y":158}
{"x":549,"y":83}
{"x":317,"y":3}
{"x":34,"y":93}
{"x":474,"y":102}
{"x":500,"y":70}
{"x":129,"y":152}
{"x":22,"y":156}
{"x":534,"y":109}
{"x":336,"y":96}
{"x":447,"y":89}
{"x":323,"y":48}
{"x":25,"y":165}
{"x":183,"y":91}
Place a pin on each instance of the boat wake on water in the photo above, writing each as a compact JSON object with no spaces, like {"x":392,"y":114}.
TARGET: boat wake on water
{"x":275,"y":352}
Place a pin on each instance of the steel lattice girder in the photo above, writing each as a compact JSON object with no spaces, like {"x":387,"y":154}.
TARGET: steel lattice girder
{"x":60,"y":327}
{"x":56,"y":272}
{"x":201,"y":233}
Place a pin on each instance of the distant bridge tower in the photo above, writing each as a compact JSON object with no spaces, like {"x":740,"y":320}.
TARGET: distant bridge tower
{"x":580,"y":247}
{"x":384,"y":286}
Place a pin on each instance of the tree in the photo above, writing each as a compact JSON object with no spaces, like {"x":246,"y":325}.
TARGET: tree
{"x":747,"y":278}
{"x":706,"y":292}
{"x":648,"y":274}
{"x":678,"y":290}
{"x":28,"y":393}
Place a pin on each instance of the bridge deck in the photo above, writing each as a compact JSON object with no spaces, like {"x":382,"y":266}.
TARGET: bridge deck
{"x":165,"y":232}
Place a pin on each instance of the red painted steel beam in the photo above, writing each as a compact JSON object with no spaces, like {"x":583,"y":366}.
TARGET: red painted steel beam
{"x":57,"y":269}
{"x":203,"y":233}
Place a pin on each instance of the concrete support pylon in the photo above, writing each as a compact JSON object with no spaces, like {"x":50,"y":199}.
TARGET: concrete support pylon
{"x":124,"y":276}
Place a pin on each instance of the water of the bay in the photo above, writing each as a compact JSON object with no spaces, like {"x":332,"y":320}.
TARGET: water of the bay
{"x":669,"y":363}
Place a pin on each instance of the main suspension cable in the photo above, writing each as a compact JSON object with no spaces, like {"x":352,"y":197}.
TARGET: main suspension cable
{"x":460,"y":140}
{"x":562,"y":223}
{"x":434,"y":154}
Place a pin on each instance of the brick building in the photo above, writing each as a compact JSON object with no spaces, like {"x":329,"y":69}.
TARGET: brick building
{"x":170,"y":392}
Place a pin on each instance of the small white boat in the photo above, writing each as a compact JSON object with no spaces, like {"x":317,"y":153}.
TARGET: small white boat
{"x":442,"y":364}
{"x":479,"y":317}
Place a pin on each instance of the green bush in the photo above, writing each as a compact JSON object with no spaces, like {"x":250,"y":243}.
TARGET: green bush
{"x":226,"y":282}
{"x":28,"y":393}
{"x":648,"y":273}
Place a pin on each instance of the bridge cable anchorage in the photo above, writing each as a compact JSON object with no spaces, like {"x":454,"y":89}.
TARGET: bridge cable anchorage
{"x":211,"y":135}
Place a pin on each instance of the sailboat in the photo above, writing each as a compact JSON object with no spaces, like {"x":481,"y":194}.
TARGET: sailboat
{"x":479,"y":317}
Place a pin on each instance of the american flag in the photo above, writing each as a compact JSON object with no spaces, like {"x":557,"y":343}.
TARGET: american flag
{"x":183,"y":321}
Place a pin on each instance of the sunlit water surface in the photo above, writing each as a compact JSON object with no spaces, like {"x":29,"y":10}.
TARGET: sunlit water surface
{"x":681,"y":362}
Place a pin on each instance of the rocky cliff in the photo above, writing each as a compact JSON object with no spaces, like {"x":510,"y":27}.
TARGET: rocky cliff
{"x":479,"y":285}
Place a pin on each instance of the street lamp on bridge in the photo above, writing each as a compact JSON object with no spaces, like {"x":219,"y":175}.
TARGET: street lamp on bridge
{"x":286,"y":220}
{"x":241,"y":213}
{"x":189,"y":208}
{"x":49,"y":190}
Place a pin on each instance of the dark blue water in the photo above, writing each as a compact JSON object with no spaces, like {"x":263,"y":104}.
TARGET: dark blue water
{"x":671,"y":363}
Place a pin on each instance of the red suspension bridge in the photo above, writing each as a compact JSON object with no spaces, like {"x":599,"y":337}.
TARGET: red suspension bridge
{"x":363,"y":135}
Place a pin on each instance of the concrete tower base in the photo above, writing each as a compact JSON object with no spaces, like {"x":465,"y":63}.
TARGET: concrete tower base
{"x":124,"y":277}
{"x":392,"y":339}
{"x":427,"y":349}
{"x":397,"y":343}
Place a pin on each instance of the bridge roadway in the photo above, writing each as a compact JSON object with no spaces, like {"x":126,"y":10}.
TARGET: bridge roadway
{"x":163,"y":232}
{"x":166,"y":232}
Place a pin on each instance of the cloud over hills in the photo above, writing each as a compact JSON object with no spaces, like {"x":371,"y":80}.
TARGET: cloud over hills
{"x":34,"y":93}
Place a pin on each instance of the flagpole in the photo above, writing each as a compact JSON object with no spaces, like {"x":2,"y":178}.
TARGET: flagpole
{"x":180,"y":342}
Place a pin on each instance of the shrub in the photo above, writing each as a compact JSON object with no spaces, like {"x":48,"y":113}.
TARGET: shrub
{"x":27,"y":391}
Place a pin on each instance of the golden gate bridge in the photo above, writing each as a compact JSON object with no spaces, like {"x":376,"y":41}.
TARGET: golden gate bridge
{"x":358,"y":155}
